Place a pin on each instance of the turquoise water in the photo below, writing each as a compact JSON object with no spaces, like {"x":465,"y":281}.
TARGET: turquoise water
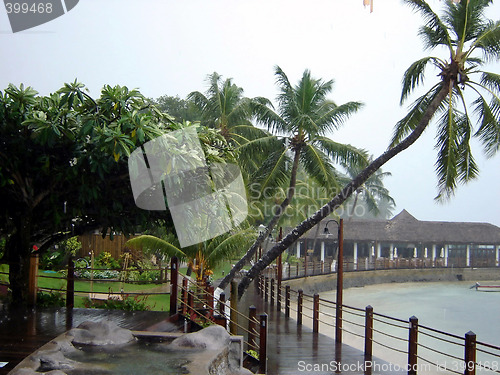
{"x":446,"y":306}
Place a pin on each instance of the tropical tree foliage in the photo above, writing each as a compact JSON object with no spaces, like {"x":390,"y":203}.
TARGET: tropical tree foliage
{"x":471,"y":42}
{"x":63,"y":167}
{"x":304,"y":119}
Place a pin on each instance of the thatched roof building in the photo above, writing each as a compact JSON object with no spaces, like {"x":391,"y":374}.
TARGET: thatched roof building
{"x":404,"y":236}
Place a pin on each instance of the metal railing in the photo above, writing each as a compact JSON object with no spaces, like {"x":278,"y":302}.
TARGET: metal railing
{"x":418,"y":346}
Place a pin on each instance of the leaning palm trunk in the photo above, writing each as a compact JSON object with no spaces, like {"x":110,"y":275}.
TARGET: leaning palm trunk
{"x":251,"y":251}
{"x":360,"y":179}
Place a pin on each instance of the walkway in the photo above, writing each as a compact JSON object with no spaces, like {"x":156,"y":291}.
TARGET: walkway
{"x":296,"y":349}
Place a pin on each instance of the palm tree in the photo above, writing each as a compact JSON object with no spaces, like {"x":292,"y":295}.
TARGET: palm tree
{"x":202,"y":258}
{"x":305,"y":116}
{"x":372,"y":194}
{"x":464,"y":32}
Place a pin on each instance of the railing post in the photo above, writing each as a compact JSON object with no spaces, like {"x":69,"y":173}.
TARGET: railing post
{"x":266,"y":289}
{"x":368,"y":333}
{"x":33,"y":279}
{"x":300,"y":299}
{"x":252,"y":327}
{"x":222,"y":304}
{"x":221,"y":318}
{"x":263,"y":344}
{"x":316,"y":313}
{"x":174,"y":271}
{"x":340,"y":284}
{"x":287,"y":301}
{"x":470,"y":353}
{"x":412,"y":346}
{"x":233,"y":328}
{"x":272,"y":292}
{"x":70,"y":284}
{"x":184,"y":295}
{"x":210,"y":301}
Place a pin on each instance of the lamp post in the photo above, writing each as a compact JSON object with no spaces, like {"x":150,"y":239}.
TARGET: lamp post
{"x":340,"y":276}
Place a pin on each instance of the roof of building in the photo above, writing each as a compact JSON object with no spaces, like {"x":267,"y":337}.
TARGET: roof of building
{"x":405,"y":228}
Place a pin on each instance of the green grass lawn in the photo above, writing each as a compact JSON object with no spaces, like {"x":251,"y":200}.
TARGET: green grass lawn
{"x":56,"y":280}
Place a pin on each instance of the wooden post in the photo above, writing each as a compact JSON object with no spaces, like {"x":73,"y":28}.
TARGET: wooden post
{"x":368,"y":333}
{"x":340,"y":284}
{"x":266,"y":289}
{"x":280,"y":274}
{"x":316,"y":313}
{"x":412,"y":346}
{"x":184,"y":295}
{"x":174,"y":272}
{"x":222,"y":304}
{"x":252,"y":327}
{"x":33,"y":279}
{"x":470,"y":353}
{"x":210,"y":301}
{"x":300,"y":299}
{"x":233,"y":328}
{"x":190,"y":303}
{"x":287,"y":301}
{"x":272,"y":292}
{"x":263,"y":344}
{"x":70,"y":284}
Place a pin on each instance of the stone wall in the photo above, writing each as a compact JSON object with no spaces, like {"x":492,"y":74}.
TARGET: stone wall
{"x":322,"y":283}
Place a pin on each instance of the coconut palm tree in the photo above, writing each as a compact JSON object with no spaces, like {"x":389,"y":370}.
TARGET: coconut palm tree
{"x":304,"y":118}
{"x":471,"y":41}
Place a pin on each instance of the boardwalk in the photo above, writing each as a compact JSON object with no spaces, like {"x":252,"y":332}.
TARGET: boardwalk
{"x":296,"y":349}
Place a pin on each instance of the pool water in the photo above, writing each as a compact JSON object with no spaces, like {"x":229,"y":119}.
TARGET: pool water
{"x":142,"y":357}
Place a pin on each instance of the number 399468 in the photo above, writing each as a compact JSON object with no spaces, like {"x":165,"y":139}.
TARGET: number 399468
{"x":28,"y":8}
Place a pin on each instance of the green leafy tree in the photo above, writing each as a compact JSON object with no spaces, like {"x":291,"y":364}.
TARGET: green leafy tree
{"x":471,"y":41}
{"x":304,"y":118}
{"x":63,"y":167}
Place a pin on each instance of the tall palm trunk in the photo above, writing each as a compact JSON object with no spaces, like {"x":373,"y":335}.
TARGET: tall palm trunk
{"x":262,"y":236}
{"x":351,"y":187}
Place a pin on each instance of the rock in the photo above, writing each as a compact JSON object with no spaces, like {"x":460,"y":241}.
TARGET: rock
{"x":105,"y":332}
{"x":28,"y":371}
{"x":55,"y":360}
{"x":213,"y":337}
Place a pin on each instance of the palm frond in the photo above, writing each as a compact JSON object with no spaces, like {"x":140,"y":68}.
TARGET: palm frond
{"x":318,"y":165}
{"x":341,"y":153}
{"x":432,"y":21}
{"x":152,"y":245}
{"x":406,"y":125}
{"x":488,"y":41}
{"x":414,"y":75}
{"x":225,"y":247}
{"x":273,"y":172}
{"x":331,"y":116}
{"x":489,"y":130}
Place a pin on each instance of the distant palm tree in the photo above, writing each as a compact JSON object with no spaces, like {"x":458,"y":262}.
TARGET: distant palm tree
{"x":372,"y":194}
{"x":463,"y":31}
{"x":305,"y":117}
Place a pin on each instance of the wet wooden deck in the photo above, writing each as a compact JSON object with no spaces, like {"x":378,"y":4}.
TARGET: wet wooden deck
{"x":294,"y":350}
{"x":22,"y":332}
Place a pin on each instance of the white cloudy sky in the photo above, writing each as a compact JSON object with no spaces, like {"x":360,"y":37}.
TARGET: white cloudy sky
{"x":169,"y":47}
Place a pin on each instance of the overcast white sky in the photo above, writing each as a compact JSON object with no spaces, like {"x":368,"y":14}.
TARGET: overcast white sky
{"x":170,"y":46}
